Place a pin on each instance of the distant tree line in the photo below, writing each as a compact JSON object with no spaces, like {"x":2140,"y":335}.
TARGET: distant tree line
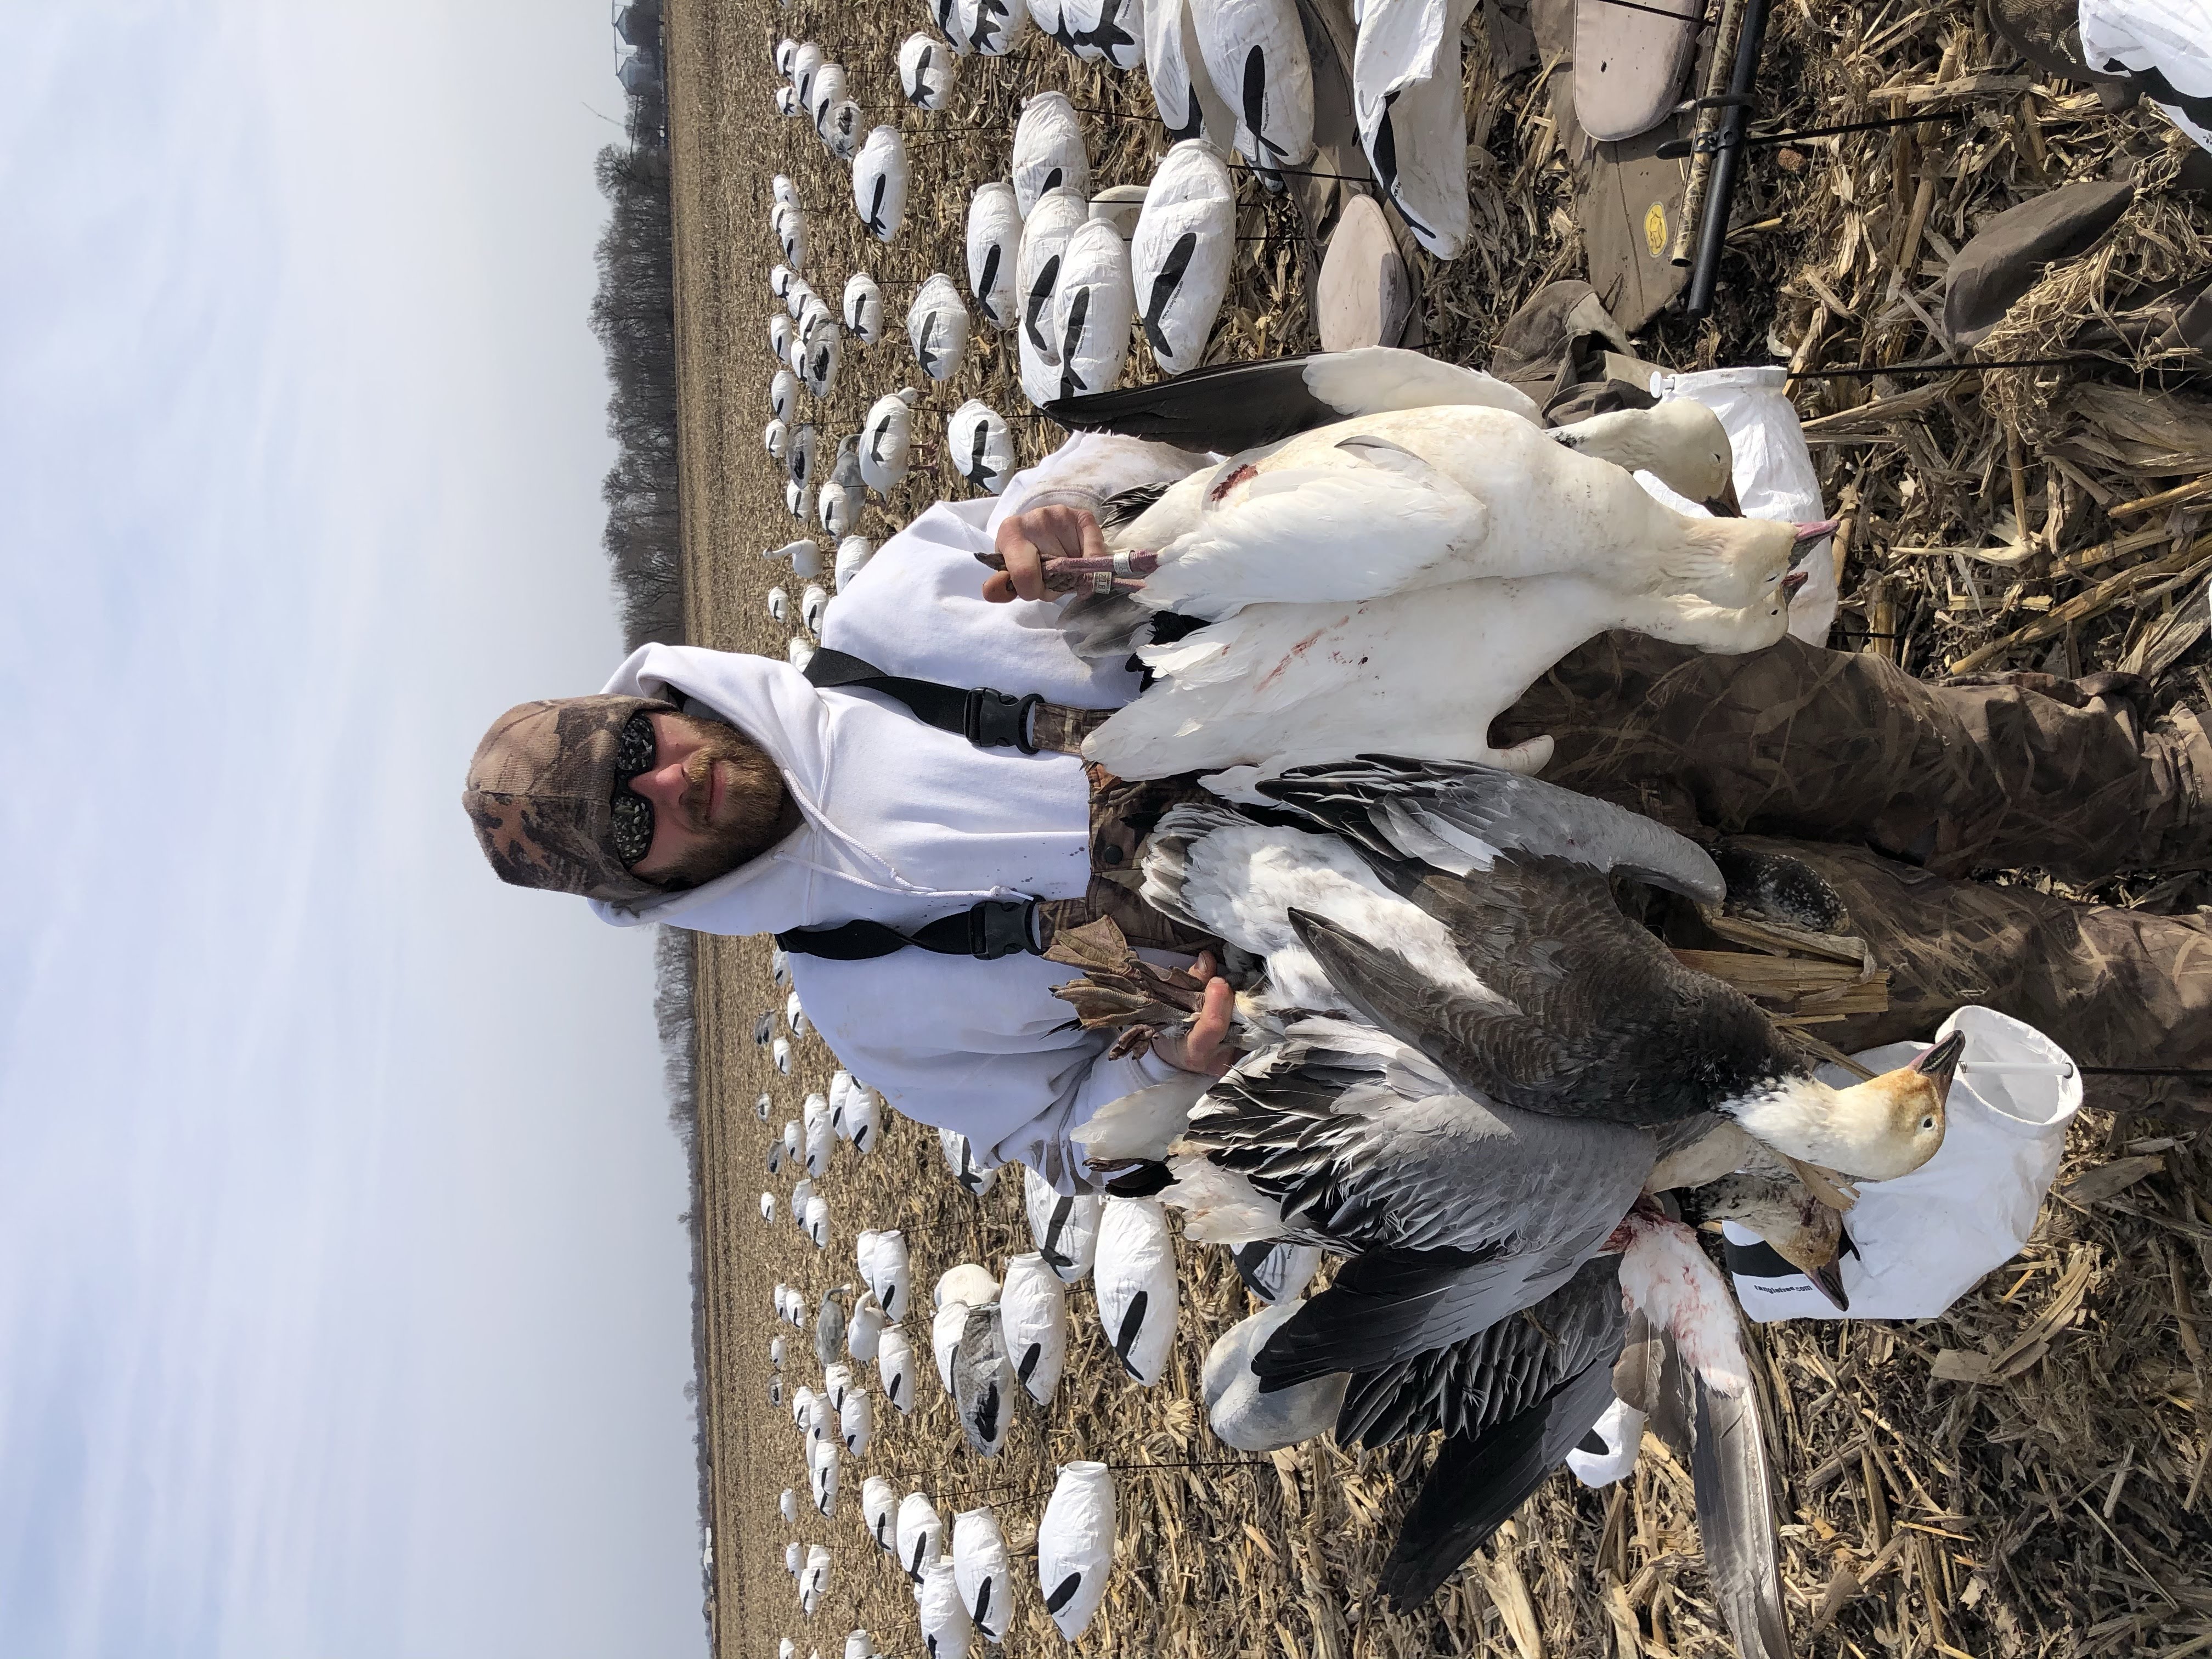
{"x":634,"y":314}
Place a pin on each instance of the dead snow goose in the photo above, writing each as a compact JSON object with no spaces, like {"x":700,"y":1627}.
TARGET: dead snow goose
{"x":980,"y":445}
{"x":1049,"y":151}
{"x":994,"y":27}
{"x":1075,"y":1544}
{"x":926,"y":71}
{"x":880,"y":183}
{"x":972,"y":1177}
{"x":946,"y":1631}
{"x":981,"y":1568}
{"x":994,"y":240}
{"x":937,"y":326}
{"x":1186,"y":101}
{"x":1407,"y":97}
{"x":880,"y":1509}
{"x":982,"y":1380}
{"x":1045,"y":231}
{"x":1181,"y":253}
{"x":1276,"y":1273}
{"x":863,"y":308}
{"x":783,"y":395}
{"x":1033,"y":1310}
{"x":852,"y":555}
{"x":920,"y":1534}
{"x":1135,"y":1284}
{"x":887,"y":442}
{"x":1259,"y":48}
{"x":1092,"y":309}
{"x":1064,"y":1224}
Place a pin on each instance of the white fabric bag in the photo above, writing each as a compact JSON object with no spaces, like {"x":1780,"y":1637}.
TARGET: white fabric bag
{"x":1924,"y":1240}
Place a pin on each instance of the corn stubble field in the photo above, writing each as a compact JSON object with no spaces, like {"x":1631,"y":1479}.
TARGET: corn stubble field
{"x":2059,"y":1510}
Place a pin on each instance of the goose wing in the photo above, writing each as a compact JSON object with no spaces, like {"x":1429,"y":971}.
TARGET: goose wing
{"x":1229,"y":407}
{"x":1479,"y":1481}
{"x":1461,"y":816}
{"x":1487,"y":1379}
{"x":1736,"y":1518}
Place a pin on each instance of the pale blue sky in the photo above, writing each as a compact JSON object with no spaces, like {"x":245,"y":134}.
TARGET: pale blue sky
{"x":343,"y":1306}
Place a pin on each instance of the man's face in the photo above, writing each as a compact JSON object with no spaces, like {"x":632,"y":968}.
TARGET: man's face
{"x":717,"y":800}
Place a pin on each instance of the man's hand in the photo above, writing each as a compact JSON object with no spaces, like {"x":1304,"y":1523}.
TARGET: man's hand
{"x":1204,"y":1047}
{"x":1026,"y":540}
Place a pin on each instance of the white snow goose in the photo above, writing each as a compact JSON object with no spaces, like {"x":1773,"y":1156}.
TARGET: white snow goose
{"x":982,"y":447}
{"x":1255,"y":52}
{"x":880,"y":183}
{"x":1181,"y":253}
{"x":926,"y":71}
{"x":1049,"y":151}
{"x":994,"y":240}
{"x":887,"y":442}
{"x":1408,"y":98}
{"x":937,"y":326}
{"x":863,"y":308}
{"x":1092,"y":309}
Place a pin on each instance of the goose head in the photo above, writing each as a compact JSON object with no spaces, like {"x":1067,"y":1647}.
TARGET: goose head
{"x":1800,"y":1229}
{"x":1680,"y":442}
{"x":1878,"y":1130}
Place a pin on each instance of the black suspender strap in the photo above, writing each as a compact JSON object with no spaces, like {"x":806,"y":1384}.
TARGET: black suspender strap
{"x":994,"y":928}
{"x":988,"y":719}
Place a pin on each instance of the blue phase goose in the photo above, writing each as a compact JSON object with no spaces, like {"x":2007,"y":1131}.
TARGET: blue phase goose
{"x":926,"y":70}
{"x":1585,"y":1014}
{"x":840,"y":130}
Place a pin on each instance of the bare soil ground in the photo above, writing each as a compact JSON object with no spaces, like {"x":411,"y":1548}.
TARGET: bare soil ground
{"x":2060,"y":1511}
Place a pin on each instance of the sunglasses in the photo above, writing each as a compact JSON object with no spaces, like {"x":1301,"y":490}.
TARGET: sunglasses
{"x":632,"y":833}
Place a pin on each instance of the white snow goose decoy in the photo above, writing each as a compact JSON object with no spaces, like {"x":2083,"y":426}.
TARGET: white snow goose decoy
{"x":805,"y":558}
{"x":768,"y":1206}
{"x":813,"y":1578}
{"x":926,"y":70}
{"x":828,"y":93}
{"x":856,"y":1423}
{"x":1119,"y":206}
{"x":783,"y":395}
{"x":1033,"y":1310}
{"x":779,"y":604}
{"x":994,"y":27}
{"x":779,"y":337}
{"x":937,"y":326}
{"x":1407,"y":99}
{"x":799,"y":651}
{"x":971,"y":1176}
{"x":880,"y":1509}
{"x":864,"y":1329}
{"x":813,"y":601}
{"x":1111,"y":32}
{"x":1046,"y":231}
{"x":786,"y":102}
{"x":880,"y":183}
{"x":863,"y":308}
{"x":1064,"y":1224}
{"x":1188,"y":105}
{"x":1075,"y":1544}
{"x":780,"y":279}
{"x":920,"y":1534}
{"x":1255,"y":52}
{"x":852,"y":555}
{"x":947,"y":1631}
{"x":785,"y":50}
{"x":895,"y":1368}
{"x":1092,"y":309}
{"x":889,"y":1274}
{"x":841,"y":130}
{"x":775,"y":437}
{"x":1181,"y":253}
{"x":789,"y":1506}
{"x":982,"y":447}
{"x":887,"y":441}
{"x":994,"y":239}
{"x":805,"y":64}
{"x":1049,"y":151}
{"x":817,"y":1221}
{"x":1135,"y":1284}
{"x":982,"y":1569}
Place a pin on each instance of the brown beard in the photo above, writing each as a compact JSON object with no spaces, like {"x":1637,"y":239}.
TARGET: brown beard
{"x":765,"y":813}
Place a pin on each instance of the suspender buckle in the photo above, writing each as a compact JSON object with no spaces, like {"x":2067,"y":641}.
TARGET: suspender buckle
{"x":998,"y":719}
{"x":999,"y":928}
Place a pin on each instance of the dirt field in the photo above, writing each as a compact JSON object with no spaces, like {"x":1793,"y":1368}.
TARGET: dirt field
{"x":2060,"y":1511}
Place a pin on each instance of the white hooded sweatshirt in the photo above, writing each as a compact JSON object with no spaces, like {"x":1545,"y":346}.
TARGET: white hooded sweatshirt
{"x":904,"y":824}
